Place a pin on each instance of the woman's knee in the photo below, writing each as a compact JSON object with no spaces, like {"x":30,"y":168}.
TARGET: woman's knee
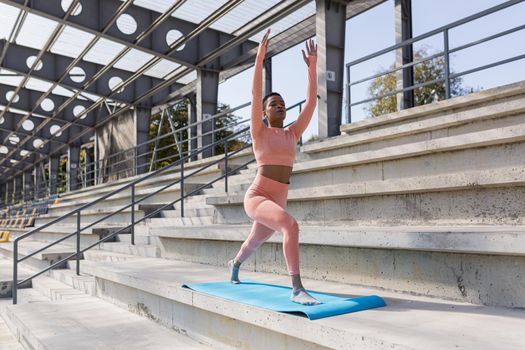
{"x":291,"y":225}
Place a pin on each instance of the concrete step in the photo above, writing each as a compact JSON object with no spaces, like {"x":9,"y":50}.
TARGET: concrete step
{"x":140,"y":238}
{"x":178,"y":221}
{"x":92,"y":215}
{"x":478,"y":111}
{"x":119,"y":329}
{"x":204,"y":210}
{"x":6,"y":280}
{"x":165,"y":195}
{"x":88,"y":236}
{"x":38,"y":261}
{"x":7,"y":339}
{"x":149,"y":251}
{"x":464,"y":198}
{"x":476,"y":264}
{"x":11,"y":338}
{"x":83,"y":282}
{"x":153,"y":181}
{"x":96,"y":255}
{"x":501,"y":147}
{"x":150,"y":281}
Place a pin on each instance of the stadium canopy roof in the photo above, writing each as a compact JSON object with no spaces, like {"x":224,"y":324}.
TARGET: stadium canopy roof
{"x":68,"y":66}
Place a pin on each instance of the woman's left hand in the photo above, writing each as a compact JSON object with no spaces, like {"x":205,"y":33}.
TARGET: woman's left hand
{"x":311,"y":49}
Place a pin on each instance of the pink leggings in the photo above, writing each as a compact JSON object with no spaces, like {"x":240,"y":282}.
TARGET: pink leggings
{"x":265,"y":203}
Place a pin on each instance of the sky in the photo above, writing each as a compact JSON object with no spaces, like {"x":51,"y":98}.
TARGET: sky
{"x":374,"y":30}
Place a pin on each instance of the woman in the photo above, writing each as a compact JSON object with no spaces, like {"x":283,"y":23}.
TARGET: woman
{"x":274,"y":149}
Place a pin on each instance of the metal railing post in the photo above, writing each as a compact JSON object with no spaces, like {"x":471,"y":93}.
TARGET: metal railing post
{"x":226,"y":165}
{"x":182,"y":189}
{"x":78,"y":243}
{"x":15,"y":272}
{"x":133,"y":214}
{"x":348,"y":96}
{"x":447,"y":64}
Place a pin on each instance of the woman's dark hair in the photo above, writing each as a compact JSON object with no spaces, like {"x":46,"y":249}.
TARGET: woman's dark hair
{"x":265,"y":99}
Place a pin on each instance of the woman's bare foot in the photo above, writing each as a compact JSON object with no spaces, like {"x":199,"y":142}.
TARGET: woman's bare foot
{"x":301,"y":296}
{"x":234,"y":272}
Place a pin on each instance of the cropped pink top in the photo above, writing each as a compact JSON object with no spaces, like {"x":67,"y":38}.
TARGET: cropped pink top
{"x":276,"y":146}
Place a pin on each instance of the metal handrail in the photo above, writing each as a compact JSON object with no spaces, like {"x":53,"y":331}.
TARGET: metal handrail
{"x":131,"y":226}
{"x":448,"y":76}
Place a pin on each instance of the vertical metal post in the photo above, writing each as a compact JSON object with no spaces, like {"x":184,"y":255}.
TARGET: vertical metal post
{"x":226,"y":165}
{"x":182,"y":189}
{"x":135,"y":161}
{"x":447,"y":64}
{"x":78,"y":243}
{"x":133,"y":214}
{"x":300,"y":110}
{"x":15,"y":271}
{"x":404,"y":54}
{"x":348,"y":96}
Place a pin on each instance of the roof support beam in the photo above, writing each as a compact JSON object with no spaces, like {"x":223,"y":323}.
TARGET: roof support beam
{"x":53,"y":66}
{"x":96,"y":12}
{"x":330,"y":26}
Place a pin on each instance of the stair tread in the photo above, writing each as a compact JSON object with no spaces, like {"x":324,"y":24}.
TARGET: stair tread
{"x":436,"y":320}
{"x":84,"y":314}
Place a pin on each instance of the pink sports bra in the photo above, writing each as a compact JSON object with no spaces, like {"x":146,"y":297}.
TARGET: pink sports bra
{"x":276,"y":146}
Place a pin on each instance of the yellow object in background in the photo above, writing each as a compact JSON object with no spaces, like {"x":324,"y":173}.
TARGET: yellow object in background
{"x":4,"y":237}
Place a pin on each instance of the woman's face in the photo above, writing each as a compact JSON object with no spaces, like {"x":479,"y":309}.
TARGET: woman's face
{"x":275,"y":109}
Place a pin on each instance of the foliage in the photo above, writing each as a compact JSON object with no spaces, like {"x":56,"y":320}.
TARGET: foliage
{"x":167,"y":149}
{"x":426,"y":71}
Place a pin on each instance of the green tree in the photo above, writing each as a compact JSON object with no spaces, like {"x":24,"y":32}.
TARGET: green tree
{"x":168,"y":153}
{"x":423,"y":72}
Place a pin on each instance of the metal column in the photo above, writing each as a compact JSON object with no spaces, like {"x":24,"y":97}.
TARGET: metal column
{"x":267,"y":76}
{"x":3,"y":194}
{"x":19,"y":189}
{"x":53,"y":175}
{"x":90,"y":167}
{"x":404,"y":55}
{"x":28,"y":185}
{"x":73,"y":164}
{"x":330,"y":30}
{"x":206,"y":101}
{"x":142,"y":121}
{"x":192,"y":132}
{"x":39,"y":182}
{"x":9,"y":185}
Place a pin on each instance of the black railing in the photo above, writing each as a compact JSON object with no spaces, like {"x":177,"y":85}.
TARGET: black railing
{"x":448,"y":77}
{"x":133,"y":202}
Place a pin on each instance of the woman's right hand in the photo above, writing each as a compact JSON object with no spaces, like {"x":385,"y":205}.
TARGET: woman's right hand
{"x":261,"y":52}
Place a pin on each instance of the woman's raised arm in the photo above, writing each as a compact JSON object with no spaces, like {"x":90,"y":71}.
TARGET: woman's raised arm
{"x":256,"y":115}
{"x":311,"y":96}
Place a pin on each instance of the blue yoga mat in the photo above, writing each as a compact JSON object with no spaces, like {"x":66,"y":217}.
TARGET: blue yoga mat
{"x":277,"y":298}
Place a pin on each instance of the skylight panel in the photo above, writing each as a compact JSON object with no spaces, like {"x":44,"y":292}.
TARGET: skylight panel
{"x":133,"y":60}
{"x":103,"y":52}
{"x":196,"y":10}
{"x":38,"y":85}
{"x":71,"y":42}
{"x":159,"y":6}
{"x":87,"y":95}
{"x":59,"y":90}
{"x":242,"y":14}
{"x":8,"y":77}
{"x":188,"y":78}
{"x":289,"y":21}
{"x":8,"y":16}
{"x":161,"y":69}
{"x":35,"y":31}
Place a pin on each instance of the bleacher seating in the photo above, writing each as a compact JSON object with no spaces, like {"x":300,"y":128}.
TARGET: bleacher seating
{"x":24,"y":215}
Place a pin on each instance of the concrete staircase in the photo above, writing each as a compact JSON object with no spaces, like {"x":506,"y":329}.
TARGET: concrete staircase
{"x":425,"y":207}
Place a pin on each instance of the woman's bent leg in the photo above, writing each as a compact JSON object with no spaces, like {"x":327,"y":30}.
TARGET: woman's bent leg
{"x":274,"y":217}
{"x":258,"y":235}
